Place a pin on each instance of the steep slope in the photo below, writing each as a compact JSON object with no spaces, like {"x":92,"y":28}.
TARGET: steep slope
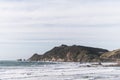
{"x":112,"y":55}
{"x":71,"y":53}
{"x":35,"y":57}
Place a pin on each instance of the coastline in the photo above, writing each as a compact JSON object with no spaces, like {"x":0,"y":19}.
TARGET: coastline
{"x":59,"y":71}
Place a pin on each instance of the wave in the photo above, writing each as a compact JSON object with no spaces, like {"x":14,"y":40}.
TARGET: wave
{"x":58,"y":71}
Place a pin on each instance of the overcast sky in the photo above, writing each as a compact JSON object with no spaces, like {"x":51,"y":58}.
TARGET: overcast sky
{"x":36,"y":26}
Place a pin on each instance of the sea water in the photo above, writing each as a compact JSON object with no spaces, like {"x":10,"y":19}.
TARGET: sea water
{"x":14,"y":70}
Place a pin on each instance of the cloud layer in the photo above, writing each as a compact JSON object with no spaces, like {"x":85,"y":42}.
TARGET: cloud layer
{"x":28,"y":26}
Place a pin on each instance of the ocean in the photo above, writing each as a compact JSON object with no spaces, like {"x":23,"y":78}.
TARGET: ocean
{"x":14,"y":70}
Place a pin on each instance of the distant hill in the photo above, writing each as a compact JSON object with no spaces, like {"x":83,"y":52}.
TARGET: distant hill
{"x":73,"y":53}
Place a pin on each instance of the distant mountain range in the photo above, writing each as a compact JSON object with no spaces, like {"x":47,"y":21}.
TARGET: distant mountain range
{"x":76,"y":53}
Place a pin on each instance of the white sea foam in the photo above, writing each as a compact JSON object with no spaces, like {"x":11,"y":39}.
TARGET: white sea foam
{"x":60,"y":71}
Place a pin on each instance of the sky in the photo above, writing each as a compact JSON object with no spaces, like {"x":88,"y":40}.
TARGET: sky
{"x":36,"y":26}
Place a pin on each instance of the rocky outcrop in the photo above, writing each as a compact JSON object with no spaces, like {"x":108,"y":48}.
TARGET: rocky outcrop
{"x":111,"y":55}
{"x":73,"y":53}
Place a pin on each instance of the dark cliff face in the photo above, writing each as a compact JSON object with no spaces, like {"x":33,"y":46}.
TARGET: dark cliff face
{"x":73,"y":53}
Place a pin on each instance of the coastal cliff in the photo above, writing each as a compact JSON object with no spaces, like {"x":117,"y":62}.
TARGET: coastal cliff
{"x":73,"y":53}
{"x":111,"y":55}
